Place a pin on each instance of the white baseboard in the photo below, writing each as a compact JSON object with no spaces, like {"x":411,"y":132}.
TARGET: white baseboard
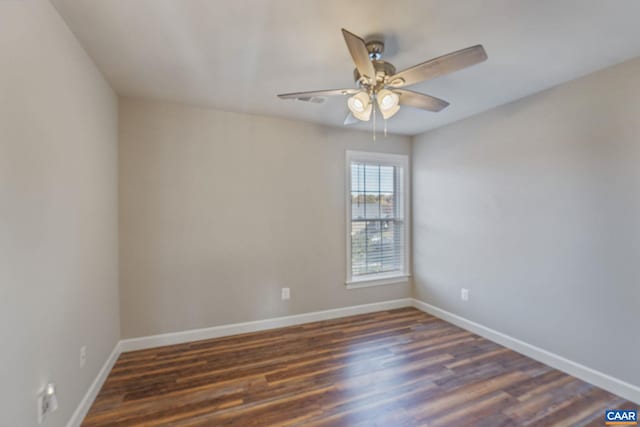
{"x":606,"y":382}
{"x":141,"y":343}
{"x":94,"y":388}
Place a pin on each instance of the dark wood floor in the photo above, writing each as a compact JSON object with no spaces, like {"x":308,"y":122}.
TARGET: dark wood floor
{"x":395,"y":368}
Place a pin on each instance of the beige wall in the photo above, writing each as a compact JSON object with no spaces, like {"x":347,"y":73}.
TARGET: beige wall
{"x":219,"y":210}
{"x":58,"y":214}
{"x":535,"y":208}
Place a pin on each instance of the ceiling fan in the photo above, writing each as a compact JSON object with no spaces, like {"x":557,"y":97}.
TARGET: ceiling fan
{"x":379,"y":84}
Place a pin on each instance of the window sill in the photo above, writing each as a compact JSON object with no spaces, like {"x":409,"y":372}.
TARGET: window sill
{"x":379,"y":281}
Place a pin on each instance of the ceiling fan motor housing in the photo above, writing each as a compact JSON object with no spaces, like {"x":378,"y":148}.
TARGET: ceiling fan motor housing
{"x":383,"y":69}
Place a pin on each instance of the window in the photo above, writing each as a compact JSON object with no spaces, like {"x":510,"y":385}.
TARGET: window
{"x":377,"y":219}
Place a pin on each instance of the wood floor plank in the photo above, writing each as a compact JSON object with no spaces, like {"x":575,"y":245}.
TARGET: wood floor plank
{"x":398,"y":368}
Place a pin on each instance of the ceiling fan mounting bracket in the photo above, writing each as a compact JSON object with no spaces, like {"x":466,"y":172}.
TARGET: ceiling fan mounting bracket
{"x":375,"y":49}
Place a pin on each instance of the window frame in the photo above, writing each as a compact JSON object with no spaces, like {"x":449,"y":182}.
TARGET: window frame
{"x":400,"y":161}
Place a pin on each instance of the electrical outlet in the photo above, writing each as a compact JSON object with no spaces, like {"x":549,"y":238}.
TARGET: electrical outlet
{"x":83,"y":356}
{"x":47,"y":402}
{"x":286,"y":293}
{"x":464,"y":294}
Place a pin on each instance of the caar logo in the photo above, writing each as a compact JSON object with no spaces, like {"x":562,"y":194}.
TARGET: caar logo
{"x":621,"y":417}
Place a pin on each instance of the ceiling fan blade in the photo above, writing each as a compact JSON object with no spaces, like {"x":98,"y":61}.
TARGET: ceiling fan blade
{"x":309,"y":96}
{"x":439,"y":66}
{"x":350,"y":119}
{"x":420,"y":100}
{"x":360,"y":54}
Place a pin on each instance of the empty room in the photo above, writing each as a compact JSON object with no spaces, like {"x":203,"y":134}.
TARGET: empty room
{"x":319,"y":213}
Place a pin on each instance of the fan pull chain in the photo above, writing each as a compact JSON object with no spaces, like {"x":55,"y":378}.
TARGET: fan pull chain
{"x":385,"y":128}
{"x":374,"y":122}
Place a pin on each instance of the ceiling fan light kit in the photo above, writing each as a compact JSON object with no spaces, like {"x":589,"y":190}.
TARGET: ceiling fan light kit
{"x":379,"y":85}
{"x":388,"y":103}
{"x":360,"y":106}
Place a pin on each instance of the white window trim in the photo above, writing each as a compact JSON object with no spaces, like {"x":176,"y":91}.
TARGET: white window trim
{"x":402,"y":161}
{"x":378,"y":280}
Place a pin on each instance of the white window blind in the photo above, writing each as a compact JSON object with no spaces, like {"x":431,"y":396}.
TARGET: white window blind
{"x":377,"y":236}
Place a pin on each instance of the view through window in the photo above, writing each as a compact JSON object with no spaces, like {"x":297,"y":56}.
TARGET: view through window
{"x":377,"y":235}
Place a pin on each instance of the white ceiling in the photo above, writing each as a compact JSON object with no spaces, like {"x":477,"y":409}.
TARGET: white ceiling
{"x":236,"y":55}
